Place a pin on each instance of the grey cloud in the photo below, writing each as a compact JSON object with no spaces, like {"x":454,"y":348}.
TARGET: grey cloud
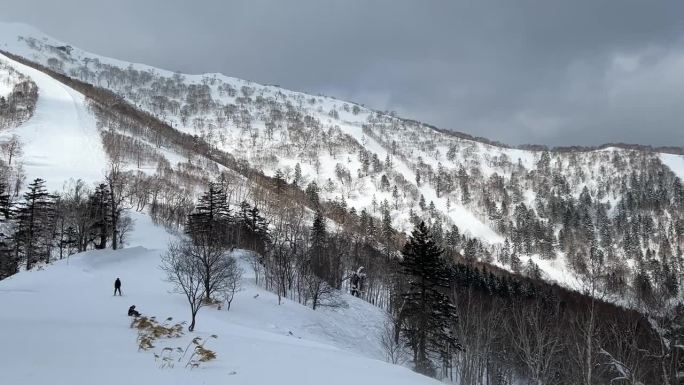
{"x":551,"y":72}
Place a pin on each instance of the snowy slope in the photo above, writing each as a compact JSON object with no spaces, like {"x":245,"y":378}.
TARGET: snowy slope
{"x":272,"y":129}
{"x":243,"y":132}
{"x":675,"y":163}
{"x":61,"y":140}
{"x":64,"y":327}
{"x":29,"y":42}
{"x":5,"y":83}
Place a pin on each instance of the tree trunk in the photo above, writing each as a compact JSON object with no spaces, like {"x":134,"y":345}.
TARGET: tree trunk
{"x":115,"y":221}
{"x":192,"y":323}
{"x":589,"y":344}
{"x":103,"y":235}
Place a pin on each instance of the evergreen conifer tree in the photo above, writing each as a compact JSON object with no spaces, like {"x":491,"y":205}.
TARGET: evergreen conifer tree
{"x":427,"y":314}
{"x":99,"y":211}
{"x":212,"y":217}
{"x":35,"y":217}
{"x":317,"y":250}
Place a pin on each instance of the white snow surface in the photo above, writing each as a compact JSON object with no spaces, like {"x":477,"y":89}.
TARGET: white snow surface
{"x":675,"y":163}
{"x":61,"y":140}
{"x":5,"y":84}
{"x":13,"y":39}
{"x":61,"y":325}
{"x":24,"y":40}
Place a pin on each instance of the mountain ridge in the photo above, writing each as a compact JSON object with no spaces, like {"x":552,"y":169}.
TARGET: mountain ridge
{"x":273,"y":130}
{"x":671,"y":149}
{"x":570,"y":241}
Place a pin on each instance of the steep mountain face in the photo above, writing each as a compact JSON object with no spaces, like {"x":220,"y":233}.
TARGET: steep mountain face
{"x":18,"y":96}
{"x":545,"y":213}
{"x":62,"y":111}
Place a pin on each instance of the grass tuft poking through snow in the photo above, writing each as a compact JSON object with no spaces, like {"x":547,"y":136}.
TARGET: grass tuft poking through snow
{"x":62,"y":325}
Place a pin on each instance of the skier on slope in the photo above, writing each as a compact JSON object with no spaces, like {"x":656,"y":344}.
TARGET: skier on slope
{"x":356,"y":281}
{"x":117,"y":286}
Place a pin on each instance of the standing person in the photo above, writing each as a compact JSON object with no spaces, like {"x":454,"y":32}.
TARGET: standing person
{"x":117,"y":286}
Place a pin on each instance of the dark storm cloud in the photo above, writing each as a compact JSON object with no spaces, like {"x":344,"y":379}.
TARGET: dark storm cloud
{"x":552,"y":72}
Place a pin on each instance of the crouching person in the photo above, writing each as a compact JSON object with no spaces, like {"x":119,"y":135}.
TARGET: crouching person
{"x":132,"y":312}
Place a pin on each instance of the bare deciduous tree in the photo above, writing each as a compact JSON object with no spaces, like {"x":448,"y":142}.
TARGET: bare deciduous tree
{"x":232,"y":284}
{"x":535,"y":341}
{"x":11,"y":149}
{"x":321,"y":293}
{"x":116,"y":180}
{"x":185,"y":273}
{"x":394,"y":347}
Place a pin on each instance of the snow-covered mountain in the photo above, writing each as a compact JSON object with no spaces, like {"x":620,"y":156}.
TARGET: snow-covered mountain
{"x":67,"y":307}
{"x":59,"y":324}
{"x":61,"y":136}
{"x":503,"y":201}
{"x":545,"y":213}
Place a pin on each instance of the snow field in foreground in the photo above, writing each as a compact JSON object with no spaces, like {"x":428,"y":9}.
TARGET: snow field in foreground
{"x":61,"y":325}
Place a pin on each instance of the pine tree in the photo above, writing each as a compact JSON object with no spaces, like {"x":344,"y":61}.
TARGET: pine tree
{"x":465,"y":191}
{"x":35,"y":217}
{"x":297,"y":181}
{"x":363,"y":221}
{"x":117,"y":182}
{"x":427,"y":315}
{"x":384,"y":183}
{"x":5,"y":202}
{"x":395,"y":197}
{"x":279,"y":181}
{"x":312,"y":191}
{"x":432,"y":209}
{"x":371,"y":230}
{"x":505,"y":255}
{"x":515,"y":263}
{"x":318,"y":241}
{"x":211,"y":218}
{"x":99,"y":211}
{"x":253,"y":228}
{"x":9,"y":263}
{"x":387,"y":232}
{"x":388,"y":162}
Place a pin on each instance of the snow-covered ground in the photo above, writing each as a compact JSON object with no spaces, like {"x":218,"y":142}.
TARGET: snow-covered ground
{"x":675,"y":163}
{"x":61,"y":325}
{"x":5,"y":83}
{"x":268,"y":154}
{"x":33,"y":44}
{"x":61,"y":140}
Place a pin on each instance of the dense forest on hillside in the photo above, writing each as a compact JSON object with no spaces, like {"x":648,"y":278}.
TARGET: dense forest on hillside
{"x":18,"y":96}
{"x":523,"y":207}
{"x":451,"y":236}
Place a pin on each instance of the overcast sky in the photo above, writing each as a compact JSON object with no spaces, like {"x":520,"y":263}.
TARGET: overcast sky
{"x":551,"y":72}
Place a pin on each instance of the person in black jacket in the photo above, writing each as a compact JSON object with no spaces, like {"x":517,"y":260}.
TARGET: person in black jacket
{"x":117,"y":286}
{"x":132,"y":312}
